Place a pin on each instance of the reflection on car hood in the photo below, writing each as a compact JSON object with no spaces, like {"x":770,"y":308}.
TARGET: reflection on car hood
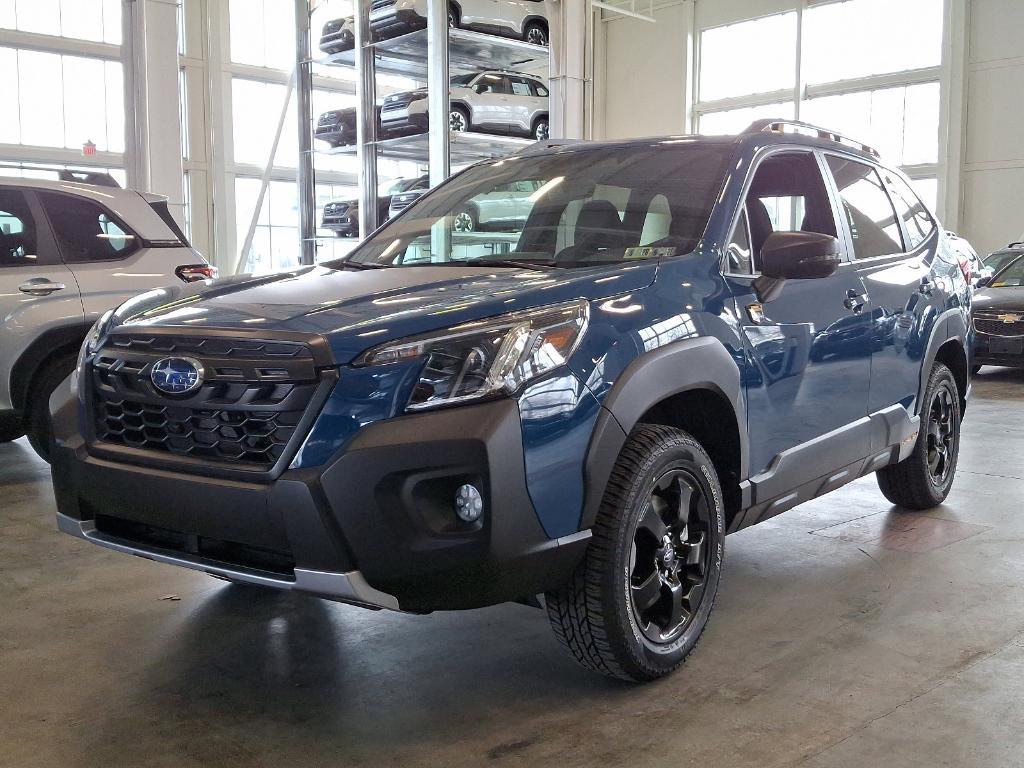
{"x":356,"y":310}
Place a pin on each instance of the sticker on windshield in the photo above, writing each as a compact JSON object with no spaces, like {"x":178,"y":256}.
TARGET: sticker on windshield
{"x":646,"y":252}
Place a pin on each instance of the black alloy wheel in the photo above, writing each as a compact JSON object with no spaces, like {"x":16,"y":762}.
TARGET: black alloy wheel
{"x":669,"y":557}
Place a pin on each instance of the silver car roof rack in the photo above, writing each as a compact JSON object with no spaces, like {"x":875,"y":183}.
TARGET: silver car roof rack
{"x":806,"y":129}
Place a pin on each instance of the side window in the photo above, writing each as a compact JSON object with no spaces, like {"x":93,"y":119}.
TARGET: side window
{"x":738,"y":251}
{"x":787,"y":194}
{"x":917,"y":221}
{"x":17,"y":230}
{"x":539,"y":90}
{"x":869,"y":211}
{"x":492,"y":84}
{"x":86,"y":231}
{"x":520,"y":86}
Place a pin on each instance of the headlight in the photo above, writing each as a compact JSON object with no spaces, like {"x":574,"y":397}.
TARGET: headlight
{"x":93,"y":342}
{"x":474,"y":360}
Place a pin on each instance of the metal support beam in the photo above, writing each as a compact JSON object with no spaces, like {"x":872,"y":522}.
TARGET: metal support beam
{"x":438,"y":87}
{"x":366,"y":124}
{"x":304,"y":173}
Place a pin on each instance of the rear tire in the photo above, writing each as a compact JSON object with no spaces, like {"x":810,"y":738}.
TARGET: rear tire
{"x":38,"y":424}
{"x":639,"y":601}
{"x":924,"y":478}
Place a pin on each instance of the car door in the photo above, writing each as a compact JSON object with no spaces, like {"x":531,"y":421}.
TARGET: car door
{"x":486,"y":14}
{"x":522,"y":103}
{"x":895,"y":242}
{"x":37,"y":291}
{"x":104,"y":254}
{"x":807,"y":345}
{"x":491,"y":105}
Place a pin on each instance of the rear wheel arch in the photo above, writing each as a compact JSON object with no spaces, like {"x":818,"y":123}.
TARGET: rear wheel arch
{"x":693,"y":386}
{"x":948,"y":345}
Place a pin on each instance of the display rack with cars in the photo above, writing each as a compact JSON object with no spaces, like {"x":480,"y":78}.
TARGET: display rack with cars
{"x":70,"y":250}
{"x":342,"y":216}
{"x":580,"y":405}
{"x":522,"y":19}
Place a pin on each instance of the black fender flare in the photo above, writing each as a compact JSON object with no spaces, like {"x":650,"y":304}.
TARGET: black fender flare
{"x":949,"y":326}
{"x":54,"y":341}
{"x":693,"y":364}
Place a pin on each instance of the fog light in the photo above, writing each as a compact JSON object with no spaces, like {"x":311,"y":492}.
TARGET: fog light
{"x":469,"y":504}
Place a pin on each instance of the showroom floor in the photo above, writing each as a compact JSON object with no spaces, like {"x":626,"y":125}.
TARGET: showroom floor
{"x":846,"y":634}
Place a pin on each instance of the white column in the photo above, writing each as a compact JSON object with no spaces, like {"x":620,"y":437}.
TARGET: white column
{"x":153,"y":122}
{"x":571,"y":29}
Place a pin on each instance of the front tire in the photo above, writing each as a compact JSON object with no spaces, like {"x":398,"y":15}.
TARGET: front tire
{"x":458,"y":120}
{"x":924,"y":478}
{"x":39,"y":427}
{"x":464,"y":221}
{"x":536,"y":34}
{"x":639,"y":601}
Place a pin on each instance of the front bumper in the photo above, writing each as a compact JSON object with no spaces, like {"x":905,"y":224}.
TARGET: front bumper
{"x":344,"y":226}
{"x":393,"y":22}
{"x":374,"y":526}
{"x":336,"y":135}
{"x":410,"y":119}
{"x":998,"y":350}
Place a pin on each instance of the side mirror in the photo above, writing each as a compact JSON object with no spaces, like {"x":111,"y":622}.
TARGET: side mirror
{"x":799,"y":256}
{"x":983,"y":281}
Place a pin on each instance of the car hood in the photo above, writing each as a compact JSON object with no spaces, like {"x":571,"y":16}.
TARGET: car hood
{"x":356,"y":310}
{"x":1010,"y":299}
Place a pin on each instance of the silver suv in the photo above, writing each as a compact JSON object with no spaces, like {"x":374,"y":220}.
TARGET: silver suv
{"x":69,"y":251}
{"x":490,"y":102}
{"x":523,"y":19}
{"x":505,"y":208}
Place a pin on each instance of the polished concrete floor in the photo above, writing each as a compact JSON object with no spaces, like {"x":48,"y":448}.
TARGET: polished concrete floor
{"x":846,"y":634}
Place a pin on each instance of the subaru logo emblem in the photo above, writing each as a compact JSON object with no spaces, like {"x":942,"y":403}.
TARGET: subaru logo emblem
{"x":177,"y":375}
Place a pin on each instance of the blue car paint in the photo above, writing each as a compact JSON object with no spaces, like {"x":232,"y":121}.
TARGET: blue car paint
{"x":636,"y":308}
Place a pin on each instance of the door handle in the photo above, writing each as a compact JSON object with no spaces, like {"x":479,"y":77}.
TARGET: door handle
{"x":40,"y":286}
{"x":855,"y":301}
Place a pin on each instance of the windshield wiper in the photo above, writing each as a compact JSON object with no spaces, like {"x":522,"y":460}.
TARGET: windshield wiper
{"x":521,"y":264}
{"x":346,"y":264}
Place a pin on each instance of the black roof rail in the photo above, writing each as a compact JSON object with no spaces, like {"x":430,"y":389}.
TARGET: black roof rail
{"x":806,"y":129}
{"x":82,"y":176}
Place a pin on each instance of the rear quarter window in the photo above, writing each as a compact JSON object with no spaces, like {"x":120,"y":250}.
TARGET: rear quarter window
{"x":86,"y":231}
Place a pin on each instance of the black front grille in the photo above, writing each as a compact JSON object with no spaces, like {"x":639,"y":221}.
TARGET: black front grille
{"x":381,"y":4}
{"x":993,"y":326}
{"x":247,"y":413}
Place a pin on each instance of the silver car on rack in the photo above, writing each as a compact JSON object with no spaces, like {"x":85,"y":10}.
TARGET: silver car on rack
{"x":523,"y":19}
{"x":491,"y":101}
{"x":69,"y":251}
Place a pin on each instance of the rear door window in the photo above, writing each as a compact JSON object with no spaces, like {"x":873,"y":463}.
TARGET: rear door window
{"x":17,"y":231}
{"x":86,"y":231}
{"x":869,"y":212}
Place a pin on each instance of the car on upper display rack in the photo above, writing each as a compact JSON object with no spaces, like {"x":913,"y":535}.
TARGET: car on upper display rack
{"x":523,"y":19}
{"x":337,"y":127}
{"x":491,"y":101}
{"x":505,"y":207}
{"x":999,"y":316}
{"x":581,"y":404}
{"x":342,"y":216}
{"x":338,"y":35}
{"x":70,"y":250}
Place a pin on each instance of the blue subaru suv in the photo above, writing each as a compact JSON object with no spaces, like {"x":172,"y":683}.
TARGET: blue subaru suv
{"x":671,"y":340}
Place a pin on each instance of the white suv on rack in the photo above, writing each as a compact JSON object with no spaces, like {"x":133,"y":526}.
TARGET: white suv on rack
{"x":69,"y":251}
{"x":523,"y":19}
{"x":490,"y":102}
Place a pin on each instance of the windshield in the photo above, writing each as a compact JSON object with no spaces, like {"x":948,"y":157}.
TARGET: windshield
{"x":567,"y":209}
{"x":393,"y":188}
{"x":1010,"y":276}
{"x":463,"y":79}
